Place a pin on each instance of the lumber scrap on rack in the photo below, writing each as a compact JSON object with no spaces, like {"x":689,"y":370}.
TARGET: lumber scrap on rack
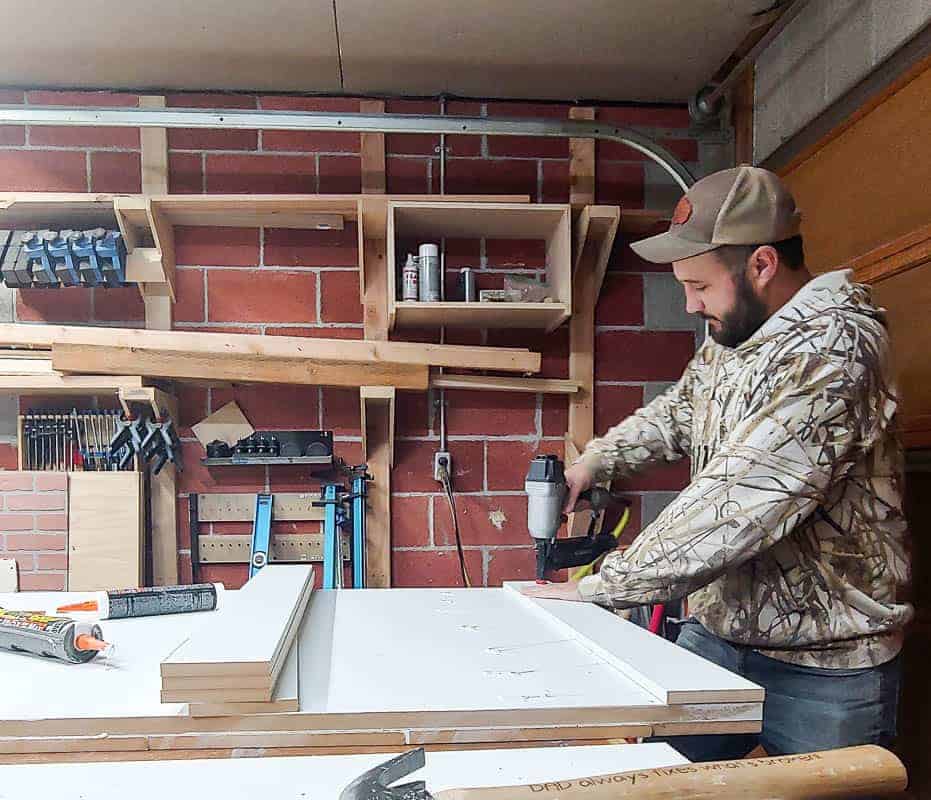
{"x":505,"y":359}
{"x":243,"y":369}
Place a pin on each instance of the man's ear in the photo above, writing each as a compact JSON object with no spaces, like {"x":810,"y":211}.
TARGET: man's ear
{"x":762,"y":266}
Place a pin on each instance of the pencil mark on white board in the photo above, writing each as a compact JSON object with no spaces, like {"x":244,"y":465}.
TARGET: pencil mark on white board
{"x":507,"y":673}
{"x":500,"y":651}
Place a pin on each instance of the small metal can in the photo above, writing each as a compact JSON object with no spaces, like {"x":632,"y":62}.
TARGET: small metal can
{"x":429,"y":257}
{"x":410,"y":279}
{"x":467,"y":282}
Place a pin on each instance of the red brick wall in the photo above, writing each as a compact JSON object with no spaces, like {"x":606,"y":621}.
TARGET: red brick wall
{"x":305,"y":283}
{"x":33,"y":525}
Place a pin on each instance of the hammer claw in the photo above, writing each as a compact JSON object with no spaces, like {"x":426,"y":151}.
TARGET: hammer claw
{"x":376,"y":783}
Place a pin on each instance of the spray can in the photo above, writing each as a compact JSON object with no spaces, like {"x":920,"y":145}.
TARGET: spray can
{"x":51,"y":637}
{"x":429,"y":256}
{"x":410,"y":279}
{"x":150,"y":602}
{"x":467,"y":281}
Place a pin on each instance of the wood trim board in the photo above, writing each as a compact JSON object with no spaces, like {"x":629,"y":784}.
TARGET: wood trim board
{"x":251,"y":632}
{"x":642,"y":656}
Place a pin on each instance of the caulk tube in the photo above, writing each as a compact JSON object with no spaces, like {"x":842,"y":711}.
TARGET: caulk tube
{"x":150,"y":602}
{"x":52,"y":637}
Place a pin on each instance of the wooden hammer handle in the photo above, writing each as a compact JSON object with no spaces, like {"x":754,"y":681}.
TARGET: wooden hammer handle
{"x":848,"y":772}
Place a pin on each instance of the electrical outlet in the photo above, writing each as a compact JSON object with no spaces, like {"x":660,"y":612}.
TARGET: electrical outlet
{"x":438,"y":458}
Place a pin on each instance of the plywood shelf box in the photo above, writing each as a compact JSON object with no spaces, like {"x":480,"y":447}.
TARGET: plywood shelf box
{"x":433,"y":221}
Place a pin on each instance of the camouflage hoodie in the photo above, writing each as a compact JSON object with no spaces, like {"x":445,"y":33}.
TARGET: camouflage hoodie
{"x":790,"y":536}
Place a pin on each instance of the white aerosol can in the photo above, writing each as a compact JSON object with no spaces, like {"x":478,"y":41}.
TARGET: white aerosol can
{"x":429,"y":273}
{"x":410,"y":279}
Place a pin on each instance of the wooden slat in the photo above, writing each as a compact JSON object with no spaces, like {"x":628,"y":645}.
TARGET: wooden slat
{"x":163,"y":233}
{"x":242,"y":369}
{"x":493,"y":383}
{"x":56,"y":383}
{"x":502,"y":359}
{"x":369,"y":397}
{"x":901,"y":254}
{"x":163,"y":499}
{"x":581,"y":164}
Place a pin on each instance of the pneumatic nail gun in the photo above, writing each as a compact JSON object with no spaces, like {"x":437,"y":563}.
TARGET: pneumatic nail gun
{"x":546,"y":495}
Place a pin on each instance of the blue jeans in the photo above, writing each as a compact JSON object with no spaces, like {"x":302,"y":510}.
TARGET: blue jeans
{"x":806,"y":708}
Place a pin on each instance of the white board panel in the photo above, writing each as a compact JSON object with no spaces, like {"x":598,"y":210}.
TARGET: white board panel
{"x":251,"y":631}
{"x":455,"y":650}
{"x":674,"y":675}
{"x":318,"y":777}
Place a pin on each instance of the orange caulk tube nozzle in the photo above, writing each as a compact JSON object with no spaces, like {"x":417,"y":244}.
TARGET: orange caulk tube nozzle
{"x":88,"y":605}
{"x":85,"y":641}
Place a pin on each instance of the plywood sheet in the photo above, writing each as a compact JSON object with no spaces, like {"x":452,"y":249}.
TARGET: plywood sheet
{"x":105,"y":530}
{"x":320,"y":777}
{"x":252,"y":631}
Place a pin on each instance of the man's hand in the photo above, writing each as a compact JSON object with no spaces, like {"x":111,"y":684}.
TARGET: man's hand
{"x":554,"y":591}
{"x":578,"y":479}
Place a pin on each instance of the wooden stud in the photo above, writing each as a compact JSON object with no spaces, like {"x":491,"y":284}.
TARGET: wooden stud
{"x":596,"y":229}
{"x":581,"y":163}
{"x":154,"y":146}
{"x":377,"y":411}
{"x":373,"y":152}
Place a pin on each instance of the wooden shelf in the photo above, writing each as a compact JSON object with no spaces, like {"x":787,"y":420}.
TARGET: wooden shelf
{"x":433,"y":221}
{"x":548,"y":316}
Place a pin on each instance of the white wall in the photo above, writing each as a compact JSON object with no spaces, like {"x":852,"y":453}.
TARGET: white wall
{"x":827,"y":49}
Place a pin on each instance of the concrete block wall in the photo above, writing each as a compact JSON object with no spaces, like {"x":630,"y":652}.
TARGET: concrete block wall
{"x":286,"y":282}
{"x":826,"y":50}
{"x":33,"y":527}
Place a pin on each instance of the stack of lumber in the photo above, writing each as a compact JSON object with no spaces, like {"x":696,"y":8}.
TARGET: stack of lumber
{"x":242,"y":660}
{"x":249,"y":358}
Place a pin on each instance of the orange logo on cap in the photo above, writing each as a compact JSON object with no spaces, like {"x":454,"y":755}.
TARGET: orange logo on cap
{"x":682,"y":211}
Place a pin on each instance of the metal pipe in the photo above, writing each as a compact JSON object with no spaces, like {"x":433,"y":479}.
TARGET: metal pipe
{"x":365,"y":123}
{"x":706,"y":103}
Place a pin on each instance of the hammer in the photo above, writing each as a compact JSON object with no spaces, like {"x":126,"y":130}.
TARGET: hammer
{"x":848,"y":772}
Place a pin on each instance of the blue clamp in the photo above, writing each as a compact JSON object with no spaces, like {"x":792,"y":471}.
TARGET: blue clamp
{"x":111,"y":255}
{"x":82,"y":246}
{"x":40,"y":265}
{"x":63,"y":261}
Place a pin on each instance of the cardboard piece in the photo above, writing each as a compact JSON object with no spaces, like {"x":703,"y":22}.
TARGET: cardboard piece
{"x":228,"y":424}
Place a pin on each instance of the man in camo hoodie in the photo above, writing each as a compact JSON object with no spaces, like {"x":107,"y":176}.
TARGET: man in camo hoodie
{"x":789,"y":540}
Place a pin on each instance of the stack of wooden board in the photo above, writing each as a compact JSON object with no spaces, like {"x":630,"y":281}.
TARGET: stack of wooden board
{"x":242,"y":660}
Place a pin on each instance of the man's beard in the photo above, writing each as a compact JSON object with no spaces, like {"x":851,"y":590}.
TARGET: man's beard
{"x":744,"y":319}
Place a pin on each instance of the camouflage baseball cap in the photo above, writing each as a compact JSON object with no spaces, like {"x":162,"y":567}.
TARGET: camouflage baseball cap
{"x":742,"y":205}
